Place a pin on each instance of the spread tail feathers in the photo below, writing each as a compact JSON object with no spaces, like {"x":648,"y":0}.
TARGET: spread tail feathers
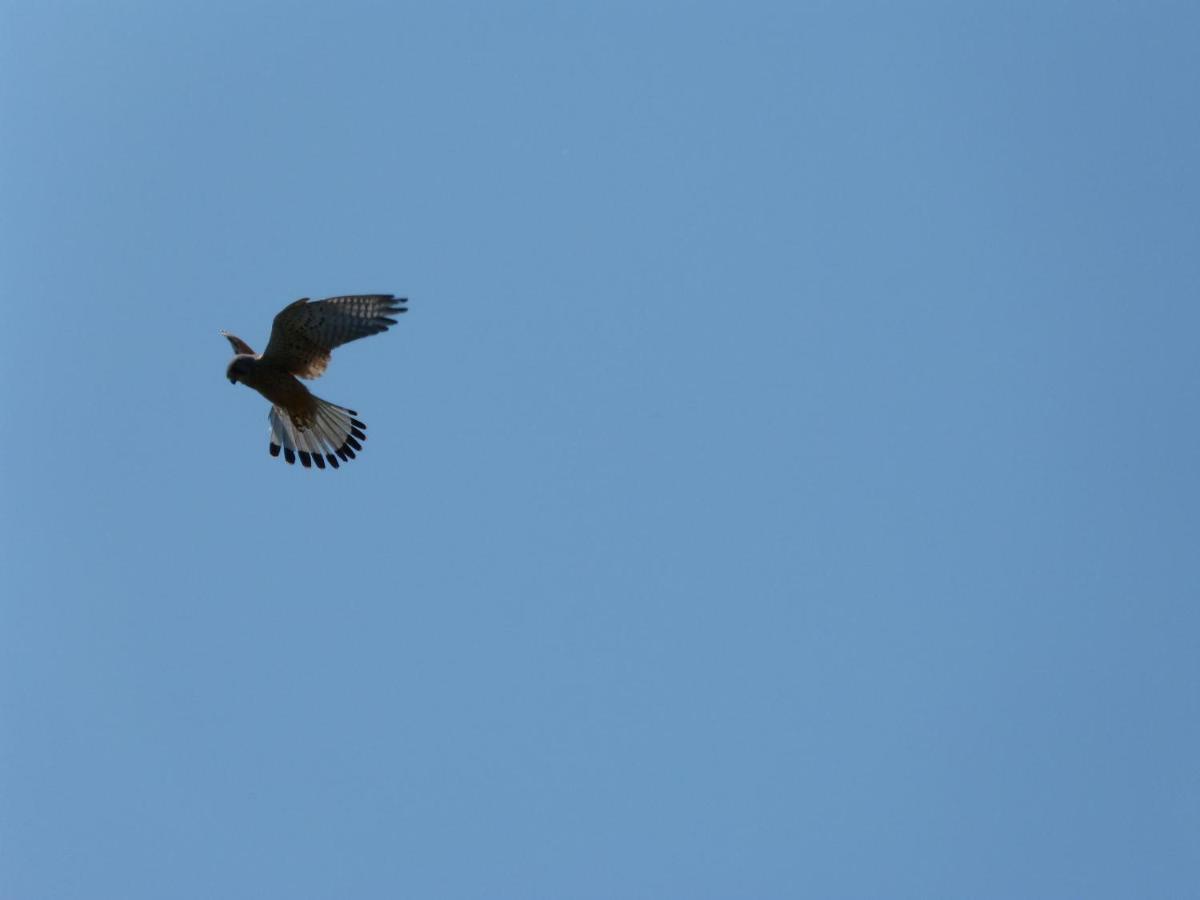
{"x":333,"y":433}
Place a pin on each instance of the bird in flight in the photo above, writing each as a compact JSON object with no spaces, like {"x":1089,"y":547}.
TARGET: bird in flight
{"x":303,"y":335}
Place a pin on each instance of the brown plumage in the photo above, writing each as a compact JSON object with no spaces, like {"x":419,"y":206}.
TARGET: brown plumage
{"x":303,"y":335}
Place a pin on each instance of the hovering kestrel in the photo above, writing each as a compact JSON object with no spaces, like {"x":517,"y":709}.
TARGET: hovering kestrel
{"x":302,"y":337}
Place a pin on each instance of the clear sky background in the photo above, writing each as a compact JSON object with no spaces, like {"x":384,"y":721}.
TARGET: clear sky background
{"x":783,"y":485}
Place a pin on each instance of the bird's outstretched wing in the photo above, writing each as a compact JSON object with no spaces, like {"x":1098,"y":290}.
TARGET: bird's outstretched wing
{"x":304,"y":333}
{"x":239,"y":346}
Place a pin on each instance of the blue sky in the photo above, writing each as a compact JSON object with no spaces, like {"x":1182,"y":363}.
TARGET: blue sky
{"x":784,"y":483}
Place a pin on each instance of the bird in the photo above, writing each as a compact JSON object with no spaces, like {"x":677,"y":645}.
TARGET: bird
{"x":303,"y":334}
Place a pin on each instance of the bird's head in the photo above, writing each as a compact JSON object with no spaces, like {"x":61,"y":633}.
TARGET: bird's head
{"x":238,"y":368}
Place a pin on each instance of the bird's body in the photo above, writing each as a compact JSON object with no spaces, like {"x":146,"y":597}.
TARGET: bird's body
{"x":302,"y":338}
{"x":280,"y":387}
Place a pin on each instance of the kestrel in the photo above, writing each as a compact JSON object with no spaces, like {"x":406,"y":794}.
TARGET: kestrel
{"x":302,"y":337}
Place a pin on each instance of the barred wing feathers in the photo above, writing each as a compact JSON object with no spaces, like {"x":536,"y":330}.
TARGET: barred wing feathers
{"x":304,"y":333}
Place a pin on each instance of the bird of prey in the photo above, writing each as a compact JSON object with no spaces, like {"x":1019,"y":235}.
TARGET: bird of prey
{"x":302,"y":337}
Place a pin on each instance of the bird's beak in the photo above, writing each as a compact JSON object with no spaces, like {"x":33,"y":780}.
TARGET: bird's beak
{"x":233,"y":381}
